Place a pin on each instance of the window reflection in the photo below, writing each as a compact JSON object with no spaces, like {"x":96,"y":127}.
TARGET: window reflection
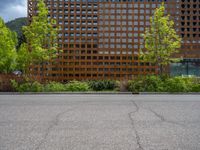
{"x":186,"y":67}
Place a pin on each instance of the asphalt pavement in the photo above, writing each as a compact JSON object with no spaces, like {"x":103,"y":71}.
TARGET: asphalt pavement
{"x":99,"y":122}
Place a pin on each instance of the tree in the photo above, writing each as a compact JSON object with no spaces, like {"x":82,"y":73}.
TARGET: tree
{"x":160,"y":40}
{"x":16,"y":25}
{"x":41,"y":36}
{"x":23,"y":58}
{"x":8,"y":42}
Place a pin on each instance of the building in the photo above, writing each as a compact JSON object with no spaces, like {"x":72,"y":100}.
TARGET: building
{"x":100,"y":39}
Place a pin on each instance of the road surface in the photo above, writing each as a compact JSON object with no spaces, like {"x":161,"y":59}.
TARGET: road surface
{"x":100,"y":122}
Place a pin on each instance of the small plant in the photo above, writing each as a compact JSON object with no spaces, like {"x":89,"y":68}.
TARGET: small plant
{"x":146,"y":84}
{"x":136,"y":86}
{"x":36,"y":87}
{"x":27,"y":86}
{"x":178,"y":84}
{"x":195,"y":88}
{"x":102,"y":85}
{"x":142,"y":84}
{"x":77,"y":86}
{"x":54,"y":87}
{"x":14,"y":84}
{"x":164,"y":84}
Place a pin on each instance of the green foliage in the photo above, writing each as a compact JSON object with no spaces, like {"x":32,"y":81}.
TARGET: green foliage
{"x":77,"y":86}
{"x":179,"y":84}
{"x":36,"y":87}
{"x":27,"y":86}
{"x":71,"y":86}
{"x":196,"y":85}
{"x":160,"y":40}
{"x":8,"y":41}
{"x":196,"y":88}
{"x":136,"y":86}
{"x":101,"y":85}
{"x":54,"y":87}
{"x":164,"y":84}
{"x":142,"y":84}
{"x":41,"y":35}
{"x":23,"y":58}
{"x":14,"y":84}
{"x":16,"y":26}
{"x":146,"y":84}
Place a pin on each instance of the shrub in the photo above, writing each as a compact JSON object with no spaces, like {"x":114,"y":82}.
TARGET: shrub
{"x":54,"y":87}
{"x":101,"y":85}
{"x":77,"y":86}
{"x":146,"y":84}
{"x":136,"y":86}
{"x":164,"y":84}
{"x":27,"y":86}
{"x":195,"y":88}
{"x":178,"y":84}
{"x":14,"y":84}
{"x":36,"y":87}
{"x":196,"y":85}
{"x":154,"y":84}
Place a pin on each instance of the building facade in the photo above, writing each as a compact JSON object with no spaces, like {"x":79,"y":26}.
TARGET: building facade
{"x":101,"y":39}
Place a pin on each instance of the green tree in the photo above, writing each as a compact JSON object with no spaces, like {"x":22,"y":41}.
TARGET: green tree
{"x":8,"y":42}
{"x":16,"y":25}
{"x":160,"y":40}
{"x":41,"y":36}
{"x":23,"y":58}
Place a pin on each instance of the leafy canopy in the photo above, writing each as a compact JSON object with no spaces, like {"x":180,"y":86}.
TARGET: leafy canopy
{"x":160,"y":39}
{"x":41,"y":36}
{"x":8,"y":42}
{"x":24,"y":58}
{"x":16,"y":25}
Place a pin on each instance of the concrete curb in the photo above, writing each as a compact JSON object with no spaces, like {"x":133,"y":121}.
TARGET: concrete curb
{"x":98,"y":93}
{"x":65,"y":93}
{"x":168,"y":93}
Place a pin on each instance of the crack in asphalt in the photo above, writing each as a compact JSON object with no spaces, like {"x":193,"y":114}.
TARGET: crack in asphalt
{"x":54,"y":123}
{"x":163,"y":119}
{"x":130,"y":114}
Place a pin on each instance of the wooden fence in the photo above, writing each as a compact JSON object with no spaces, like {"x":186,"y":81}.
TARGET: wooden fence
{"x":5,"y":82}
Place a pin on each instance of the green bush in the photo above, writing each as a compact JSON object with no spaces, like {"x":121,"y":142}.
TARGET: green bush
{"x":142,"y":84}
{"x":164,"y":84}
{"x":178,"y":84}
{"x":54,"y":87}
{"x":136,"y":85}
{"x":14,"y":84}
{"x":154,"y":84}
{"x":196,"y":85}
{"x":35,"y":86}
{"x":196,"y":88}
{"x":77,"y":86}
{"x":146,"y":84}
{"x":102,"y":85}
{"x":27,"y":86}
